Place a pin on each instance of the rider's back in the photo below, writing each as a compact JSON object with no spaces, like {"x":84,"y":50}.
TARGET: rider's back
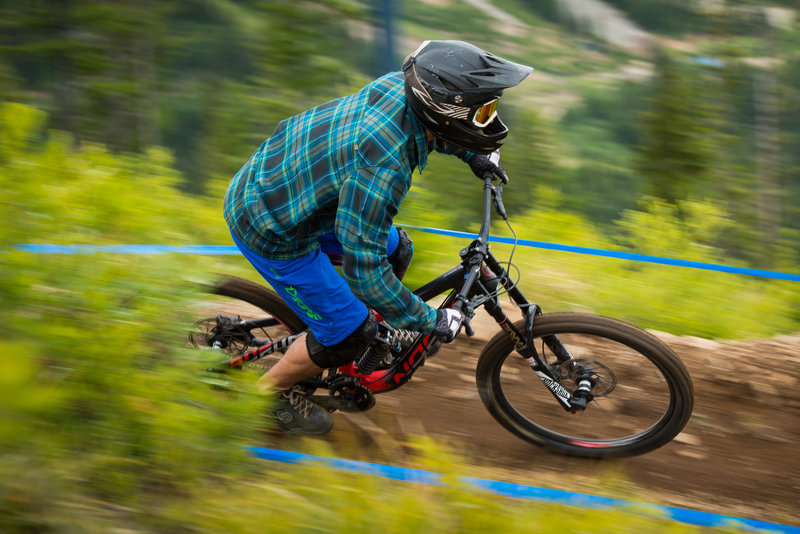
{"x":289,"y":191}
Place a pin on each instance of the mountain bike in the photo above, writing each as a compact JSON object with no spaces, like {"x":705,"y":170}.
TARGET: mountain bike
{"x":576,"y":383}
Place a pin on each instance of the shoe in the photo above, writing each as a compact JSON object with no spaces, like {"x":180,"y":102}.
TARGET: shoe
{"x":298,"y":415}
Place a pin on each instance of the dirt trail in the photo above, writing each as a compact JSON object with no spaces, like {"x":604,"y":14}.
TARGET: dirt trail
{"x":737,"y":456}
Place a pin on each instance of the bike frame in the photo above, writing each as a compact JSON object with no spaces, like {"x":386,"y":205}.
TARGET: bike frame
{"x":470,"y":284}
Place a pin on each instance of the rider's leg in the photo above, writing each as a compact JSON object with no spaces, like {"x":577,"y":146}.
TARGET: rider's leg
{"x":308,"y":356}
{"x":318,"y":295}
{"x":338,"y":327}
{"x":289,"y":370}
{"x":297,"y":364}
{"x":341,"y":326}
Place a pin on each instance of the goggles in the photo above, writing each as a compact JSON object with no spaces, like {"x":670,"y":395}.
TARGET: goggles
{"x":485,"y":114}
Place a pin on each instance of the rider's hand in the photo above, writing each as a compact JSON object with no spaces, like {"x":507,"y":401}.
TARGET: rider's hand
{"x":448,"y":324}
{"x":482,"y":163}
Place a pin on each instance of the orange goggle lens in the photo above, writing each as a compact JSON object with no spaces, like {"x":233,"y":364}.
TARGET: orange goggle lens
{"x":485,"y":114}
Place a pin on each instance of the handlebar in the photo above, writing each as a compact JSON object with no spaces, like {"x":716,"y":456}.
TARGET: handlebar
{"x":492,"y":195}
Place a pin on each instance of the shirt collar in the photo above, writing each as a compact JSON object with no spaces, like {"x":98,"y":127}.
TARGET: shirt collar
{"x":420,"y":139}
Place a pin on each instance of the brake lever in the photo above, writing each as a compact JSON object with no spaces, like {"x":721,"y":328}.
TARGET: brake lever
{"x":469,"y":313}
{"x":468,"y":327}
{"x":497,"y":199}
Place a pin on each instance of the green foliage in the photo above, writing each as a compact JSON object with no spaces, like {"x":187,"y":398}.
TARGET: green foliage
{"x":790,"y":111}
{"x":329,"y":501}
{"x":105,"y":424}
{"x":547,"y":9}
{"x":603,"y":185}
{"x":101,"y":400}
{"x":530,"y":158}
{"x":679,"y":300}
{"x":151,"y":73}
{"x":103,"y":404}
{"x":675,"y":16}
{"x":616,"y":109}
{"x":675,"y":153}
{"x":57,"y":194}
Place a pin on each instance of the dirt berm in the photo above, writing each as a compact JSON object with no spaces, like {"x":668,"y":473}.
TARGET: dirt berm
{"x":738,"y":455}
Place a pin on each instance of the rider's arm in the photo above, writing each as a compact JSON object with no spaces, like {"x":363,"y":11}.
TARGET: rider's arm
{"x":452,"y":150}
{"x":368,"y":203}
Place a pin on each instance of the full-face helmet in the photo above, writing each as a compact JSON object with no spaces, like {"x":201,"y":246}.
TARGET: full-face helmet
{"x":453,"y":88}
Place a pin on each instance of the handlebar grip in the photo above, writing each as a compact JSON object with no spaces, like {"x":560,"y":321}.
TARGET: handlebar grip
{"x":458,"y":306}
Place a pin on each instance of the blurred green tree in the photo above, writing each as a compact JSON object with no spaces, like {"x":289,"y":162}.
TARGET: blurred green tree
{"x":675,"y":154}
{"x":146,"y":73}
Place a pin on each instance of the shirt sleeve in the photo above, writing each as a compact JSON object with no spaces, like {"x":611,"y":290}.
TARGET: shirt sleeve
{"x":368,"y":203}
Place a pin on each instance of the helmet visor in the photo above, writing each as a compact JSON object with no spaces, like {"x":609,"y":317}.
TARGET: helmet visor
{"x":485,"y":114}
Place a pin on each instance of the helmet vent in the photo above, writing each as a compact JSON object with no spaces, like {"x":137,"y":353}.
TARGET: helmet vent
{"x":449,"y":85}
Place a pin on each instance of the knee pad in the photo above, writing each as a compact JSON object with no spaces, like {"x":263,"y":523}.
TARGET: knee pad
{"x":400,"y":259}
{"x":347,"y":349}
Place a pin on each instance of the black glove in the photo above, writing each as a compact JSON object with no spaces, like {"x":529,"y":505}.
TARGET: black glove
{"x":448,"y":324}
{"x":482,"y":163}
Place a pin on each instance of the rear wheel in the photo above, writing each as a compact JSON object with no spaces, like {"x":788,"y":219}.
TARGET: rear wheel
{"x":643,"y":392}
{"x":240,"y":315}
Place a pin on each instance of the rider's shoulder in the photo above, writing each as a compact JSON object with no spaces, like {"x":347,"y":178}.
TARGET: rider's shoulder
{"x":383,"y":128}
{"x":386,"y":93}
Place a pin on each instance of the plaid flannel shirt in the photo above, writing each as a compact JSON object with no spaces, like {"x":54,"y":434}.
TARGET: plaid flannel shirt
{"x":343,"y":166}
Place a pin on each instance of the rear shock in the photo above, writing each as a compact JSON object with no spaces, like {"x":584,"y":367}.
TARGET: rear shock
{"x":375,"y":354}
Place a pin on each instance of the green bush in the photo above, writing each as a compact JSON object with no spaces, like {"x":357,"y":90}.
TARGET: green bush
{"x":105,"y":424}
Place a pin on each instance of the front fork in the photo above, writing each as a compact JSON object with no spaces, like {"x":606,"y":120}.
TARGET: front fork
{"x":525,"y":346}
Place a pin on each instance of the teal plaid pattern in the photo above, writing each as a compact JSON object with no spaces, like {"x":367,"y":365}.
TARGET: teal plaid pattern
{"x":343,"y":166}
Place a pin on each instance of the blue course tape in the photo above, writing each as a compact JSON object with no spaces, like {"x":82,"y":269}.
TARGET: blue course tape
{"x":207,"y":250}
{"x":230,"y":250}
{"x":619,"y":255}
{"x":519,"y":491}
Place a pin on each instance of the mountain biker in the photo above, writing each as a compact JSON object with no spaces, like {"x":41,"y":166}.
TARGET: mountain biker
{"x":324,"y":189}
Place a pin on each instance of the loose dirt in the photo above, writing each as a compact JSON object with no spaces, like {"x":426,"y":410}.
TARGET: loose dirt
{"x":738,"y":455}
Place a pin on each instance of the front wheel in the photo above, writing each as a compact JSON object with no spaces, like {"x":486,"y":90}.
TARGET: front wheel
{"x":643,"y":392}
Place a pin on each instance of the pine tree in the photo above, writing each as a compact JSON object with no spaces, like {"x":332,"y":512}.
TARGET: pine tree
{"x":676,"y":152}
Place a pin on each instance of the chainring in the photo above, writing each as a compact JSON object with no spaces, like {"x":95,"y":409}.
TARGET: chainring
{"x":351,"y":397}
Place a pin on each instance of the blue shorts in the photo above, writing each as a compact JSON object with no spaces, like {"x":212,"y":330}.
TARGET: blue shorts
{"x":311,"y":286}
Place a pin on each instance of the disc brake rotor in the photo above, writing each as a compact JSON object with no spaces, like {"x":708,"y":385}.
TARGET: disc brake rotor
{"x":601,"y":376}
